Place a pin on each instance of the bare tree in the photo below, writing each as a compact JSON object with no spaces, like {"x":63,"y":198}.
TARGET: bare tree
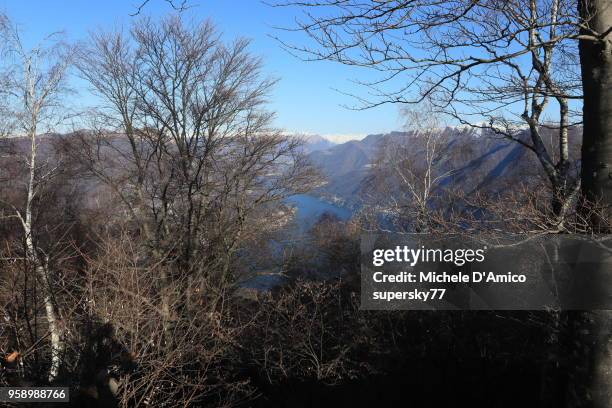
{"x":33,"y":83}
{"x":185,"y":142}
{"x":406,"y":181}
{"x":177,"y":5}
{"x":124,"y":358}
{"x":506,"y":67}
{"x":497,"y":65}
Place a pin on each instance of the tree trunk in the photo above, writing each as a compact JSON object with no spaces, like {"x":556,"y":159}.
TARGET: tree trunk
{"x":589,"y":333}
{"x":589,"y":359}
{"x":40,"y":268}
{"x":596,"y":66}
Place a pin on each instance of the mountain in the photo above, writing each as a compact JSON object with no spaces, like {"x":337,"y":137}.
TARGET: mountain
{"x":313,"y":143}
{"x":344,"y":166}
{"x":475,"y":161}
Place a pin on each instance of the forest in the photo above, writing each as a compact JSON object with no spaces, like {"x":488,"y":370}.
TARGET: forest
{"x":136,"y":234}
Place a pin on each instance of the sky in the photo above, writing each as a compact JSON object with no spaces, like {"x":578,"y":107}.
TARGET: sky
{"x":306,"y":98}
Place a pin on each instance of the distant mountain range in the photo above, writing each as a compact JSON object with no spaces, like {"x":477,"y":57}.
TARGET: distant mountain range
{"x":478,"y":162}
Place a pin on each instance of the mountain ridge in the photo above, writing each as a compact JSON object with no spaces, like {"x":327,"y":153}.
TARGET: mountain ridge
{"x":476,"y":161}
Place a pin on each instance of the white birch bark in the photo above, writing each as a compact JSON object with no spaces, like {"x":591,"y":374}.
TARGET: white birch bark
{"x":31,"y":88}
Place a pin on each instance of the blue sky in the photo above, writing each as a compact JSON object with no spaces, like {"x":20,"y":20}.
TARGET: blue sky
{"x":305,"y":98}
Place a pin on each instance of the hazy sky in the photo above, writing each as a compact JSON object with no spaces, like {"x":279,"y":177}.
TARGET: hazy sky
{"x":304,"y":99}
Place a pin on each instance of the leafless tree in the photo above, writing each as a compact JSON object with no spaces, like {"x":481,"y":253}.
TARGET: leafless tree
{"x":122,"y":345}
{"x":496,"y":65}
{"x":184,"y":141}
{"x":177,"y":5}
{"x":406,"y":180}
{"x":502,"y":66}
{"x":33,"y":83}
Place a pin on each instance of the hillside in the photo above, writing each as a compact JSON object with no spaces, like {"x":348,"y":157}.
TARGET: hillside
{"x":475,"y":161}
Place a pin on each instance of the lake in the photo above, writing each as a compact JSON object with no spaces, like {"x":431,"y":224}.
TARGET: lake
{"x":309,"y":209}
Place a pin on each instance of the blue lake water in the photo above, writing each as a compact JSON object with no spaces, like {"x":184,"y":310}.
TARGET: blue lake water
{"x":309,"y":210}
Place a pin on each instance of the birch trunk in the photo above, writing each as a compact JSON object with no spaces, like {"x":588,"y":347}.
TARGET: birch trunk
{"x":40,"y":265}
